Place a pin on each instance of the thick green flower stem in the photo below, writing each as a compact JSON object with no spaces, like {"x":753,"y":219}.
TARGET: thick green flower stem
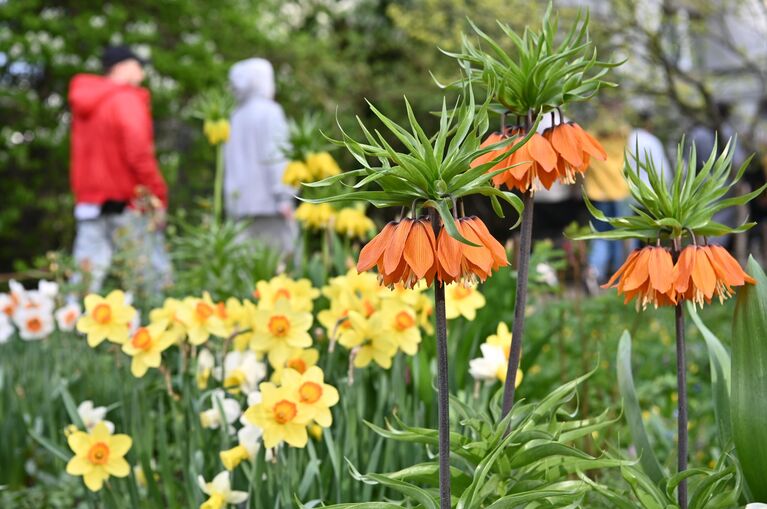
{"x":443,"y":394}
{"x":442,"y":397}
{"x":681,"y":381}
{"x":218,"y":186}
{"x":518,"y":328}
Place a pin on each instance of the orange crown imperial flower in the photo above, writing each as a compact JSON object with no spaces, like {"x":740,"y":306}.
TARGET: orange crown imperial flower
{"x":703,"y":272}
{"x":404,"y":252}
{"x":574,"y":148}
{"x":462,"y":262}
{"x":407,"y":252}
{"x":647,"y":275}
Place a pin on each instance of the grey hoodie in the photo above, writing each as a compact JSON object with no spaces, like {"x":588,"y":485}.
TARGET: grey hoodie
{"x":253,"y":160}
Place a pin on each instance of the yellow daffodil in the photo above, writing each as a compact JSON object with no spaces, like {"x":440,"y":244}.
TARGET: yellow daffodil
{"x":169,"y":313}
{"x":363,"y":285}
{"x":322,"y":165}
{"x":315,"y":216}
{"x":200,"y":319}
{"x":335,"y":320}
{"x":462,"y":301}
{"x":276,"y":331}
{"x":299,"y":359}
{"x":249,"y":438}
{"x":369,"y":340}
{"x":353,"y":222}
{"x":98,"y":455}
{"x":495,"y":357}
{"x":300,"y":294}
{"x":146,"y":347}
{"x":106,"y":318}
{"x":312,"y":393}
{"x":400,"y":324}
{"x":280,"y":416}
{"x":238,"y":316}
{"x":217,"y":131}
{"x":424,"y":307}
{"x":408,"y":296}
{"x":295,"y":173}
{"x":220,"y":492}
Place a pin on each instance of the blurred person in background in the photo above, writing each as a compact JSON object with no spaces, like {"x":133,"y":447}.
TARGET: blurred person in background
{"x":644,"y":146}
{"x":120,"y":194}
{"x":606,"y":187}
{"x":254,"y":161}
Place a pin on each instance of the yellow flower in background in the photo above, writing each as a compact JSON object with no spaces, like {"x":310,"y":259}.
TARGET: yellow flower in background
{"x":363,"y":285}
{"x":300,"y":294}
{"x":200,"y":319}
{"x":280,"y":416}
{"x":322,"y":165}
{"x":146,"y":347}
{"x":98,"y":455}
{"x":106,"y":318}
{"x":425,"y":308}
{"x":400,"y":324}
{"x":295,"y":173}
{"x":299,"y":359}
{"x":217,"y":131}
{"x":408,"y":296}
{"x":315,"y":217}
{"x":334,"y":320}
{"x":311,"y":392}
{"x":277,"y":331}
{"x":237,"y":316}
{"x":462,"y":301}
{"x":353,"y":222}
{"x":169,"y":313}
{"x":220,"y":492}
{"x":368,"y":338}
{"x":501,"y":339}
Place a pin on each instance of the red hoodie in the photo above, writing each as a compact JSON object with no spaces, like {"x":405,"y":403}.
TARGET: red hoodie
{"x":112,"y":141}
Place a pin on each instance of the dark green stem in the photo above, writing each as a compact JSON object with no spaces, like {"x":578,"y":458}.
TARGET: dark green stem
{"x":681,"y":381}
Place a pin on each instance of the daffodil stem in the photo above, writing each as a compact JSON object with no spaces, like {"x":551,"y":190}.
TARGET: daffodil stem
{"x":218,"y":185}
{"x":443,"y":397}
{"x":681,"y":381}
{"x":518,"y":328}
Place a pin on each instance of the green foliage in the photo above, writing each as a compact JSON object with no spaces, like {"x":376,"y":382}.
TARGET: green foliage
{"x":686,"y":207}
{"x":541,"y":75}
{"x":749,"y":381}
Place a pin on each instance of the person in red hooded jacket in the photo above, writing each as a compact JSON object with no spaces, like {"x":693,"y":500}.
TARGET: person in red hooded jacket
{"x":118,"y":188}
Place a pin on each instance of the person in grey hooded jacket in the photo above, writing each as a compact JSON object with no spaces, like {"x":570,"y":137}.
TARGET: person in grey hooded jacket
{"x":253,"y":157}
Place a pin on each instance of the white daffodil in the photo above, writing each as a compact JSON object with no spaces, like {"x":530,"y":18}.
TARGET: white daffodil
{"x":254,"y":398}
{"x":33,"y":323}
{"x":488,"y":366}
{"x":242,"y":372}
{"x":220,"y":492}
{"x":66,"y":317}
{"x":205,"y":365}
{"x":6,"y":329}
{"x":92,"y":415}
{"x":8,"y":304}
{"x":48,"y":288}
{"x":250,"y":441}
{"x":212,"y":417}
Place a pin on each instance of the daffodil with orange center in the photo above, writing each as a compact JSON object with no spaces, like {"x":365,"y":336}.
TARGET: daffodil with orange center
{"x":366,"y":337}
{"x":106,"y":318}
{"x":404,"y":252}
{"x":574,"y":148}
{"x":279,"y":330}
{"x":280,"y":415}
{"x":311,"y":392}
{"x":98,"y":455}
{"x":146,"y":347}
{"x":299,"y":359}
{"x":705,"y":272}
{"x":298,"y":292}
{"x":646,"y":275}
{"x":462,"y":262}
{"x":169,"y":313}
{"x":461,"y":300}
{"x":400,"y":324}
{"x":200,"y":319}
